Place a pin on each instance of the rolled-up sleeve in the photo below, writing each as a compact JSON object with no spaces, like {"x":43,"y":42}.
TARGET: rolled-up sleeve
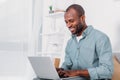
{"x":105,"y":68}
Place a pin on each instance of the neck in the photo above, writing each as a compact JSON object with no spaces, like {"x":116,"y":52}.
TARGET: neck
{"x":80,"y":33}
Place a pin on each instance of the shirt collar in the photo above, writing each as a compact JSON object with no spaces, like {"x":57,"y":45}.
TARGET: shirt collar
{"x":85,"y":32}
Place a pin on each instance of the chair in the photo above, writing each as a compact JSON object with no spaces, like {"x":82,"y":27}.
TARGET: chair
{"x":56,"y":62}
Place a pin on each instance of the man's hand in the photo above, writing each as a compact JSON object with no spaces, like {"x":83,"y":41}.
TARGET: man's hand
{"x":60,"y":72}
{"x":59,"y":69}
{"x":66,"y":73}
{"x":70,"y":73}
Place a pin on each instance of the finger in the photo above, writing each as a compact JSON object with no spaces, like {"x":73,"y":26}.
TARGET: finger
{"x":61,"y":73}
{"x":66,"y":75}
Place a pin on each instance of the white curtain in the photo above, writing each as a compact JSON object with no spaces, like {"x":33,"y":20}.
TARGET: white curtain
{"x":20,"y":23}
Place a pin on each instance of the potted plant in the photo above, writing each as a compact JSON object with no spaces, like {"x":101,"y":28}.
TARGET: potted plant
{"x":51,"y":11}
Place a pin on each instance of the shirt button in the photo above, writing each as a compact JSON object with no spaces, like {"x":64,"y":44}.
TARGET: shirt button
{"x":78,"y":48}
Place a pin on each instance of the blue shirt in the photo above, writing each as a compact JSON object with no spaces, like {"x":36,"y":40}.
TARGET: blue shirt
{"x":93,"y":52}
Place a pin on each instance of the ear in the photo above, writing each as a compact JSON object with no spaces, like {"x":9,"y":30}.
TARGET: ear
{"x":82,"y":18}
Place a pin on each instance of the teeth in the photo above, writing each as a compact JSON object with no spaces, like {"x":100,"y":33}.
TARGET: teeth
{"x":71,"y":29}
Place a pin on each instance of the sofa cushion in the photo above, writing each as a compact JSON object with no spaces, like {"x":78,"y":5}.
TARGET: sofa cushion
{"x":116,"y":73}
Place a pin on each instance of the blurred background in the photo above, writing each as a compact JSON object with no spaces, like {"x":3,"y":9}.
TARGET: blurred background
{"x":28,"y":28}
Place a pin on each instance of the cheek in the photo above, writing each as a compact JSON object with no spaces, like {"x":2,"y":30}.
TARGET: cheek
{"x":75,"y":24}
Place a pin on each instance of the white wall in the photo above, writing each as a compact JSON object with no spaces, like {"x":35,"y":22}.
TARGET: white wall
{"x":104,"y":15}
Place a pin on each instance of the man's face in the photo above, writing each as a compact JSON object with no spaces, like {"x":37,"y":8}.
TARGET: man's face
{"x":73,"y":22}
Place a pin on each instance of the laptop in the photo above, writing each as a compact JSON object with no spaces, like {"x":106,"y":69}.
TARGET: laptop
{"x":45,"y":69}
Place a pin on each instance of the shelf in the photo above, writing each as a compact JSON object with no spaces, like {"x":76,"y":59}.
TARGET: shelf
{"x":53,"y":38}
{"x":57,"y":55}
{"x":50,"y":52}
{"x":47,"y":53}
{"x":56,"y":15}
{"x":52,"y":33}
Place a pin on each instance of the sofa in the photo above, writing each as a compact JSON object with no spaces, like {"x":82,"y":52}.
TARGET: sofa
{"x":116,"y":60}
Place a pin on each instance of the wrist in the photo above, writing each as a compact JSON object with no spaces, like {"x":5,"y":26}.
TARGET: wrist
{"x":83,"y":73}
{"x":78,"y":72}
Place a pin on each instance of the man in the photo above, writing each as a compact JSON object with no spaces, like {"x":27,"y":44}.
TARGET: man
{"x":88,"y":52}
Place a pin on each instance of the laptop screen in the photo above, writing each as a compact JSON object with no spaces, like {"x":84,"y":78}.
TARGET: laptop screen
{"x":44,"y":67}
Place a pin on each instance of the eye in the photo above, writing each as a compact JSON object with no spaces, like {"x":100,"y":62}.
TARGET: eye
{"x":71,"y":21}
{"x":66,"y":22}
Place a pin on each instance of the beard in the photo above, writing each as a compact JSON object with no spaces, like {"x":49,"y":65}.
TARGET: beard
{"x":79,"y":29}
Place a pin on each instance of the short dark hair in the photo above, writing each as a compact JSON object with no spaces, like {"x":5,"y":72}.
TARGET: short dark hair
{"x":78,"y":8}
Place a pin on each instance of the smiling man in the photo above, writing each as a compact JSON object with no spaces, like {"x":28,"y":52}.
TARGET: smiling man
{"x":88,"y":52}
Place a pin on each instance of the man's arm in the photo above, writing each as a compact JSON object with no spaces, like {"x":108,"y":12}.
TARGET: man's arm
{"x":104,"y":52}
{"x":71,"y":73}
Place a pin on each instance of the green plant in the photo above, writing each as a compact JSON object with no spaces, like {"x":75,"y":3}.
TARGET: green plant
{"x":50,"y":7}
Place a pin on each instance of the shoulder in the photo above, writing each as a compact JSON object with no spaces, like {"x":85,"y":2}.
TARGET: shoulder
{"x":99,"y":34}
